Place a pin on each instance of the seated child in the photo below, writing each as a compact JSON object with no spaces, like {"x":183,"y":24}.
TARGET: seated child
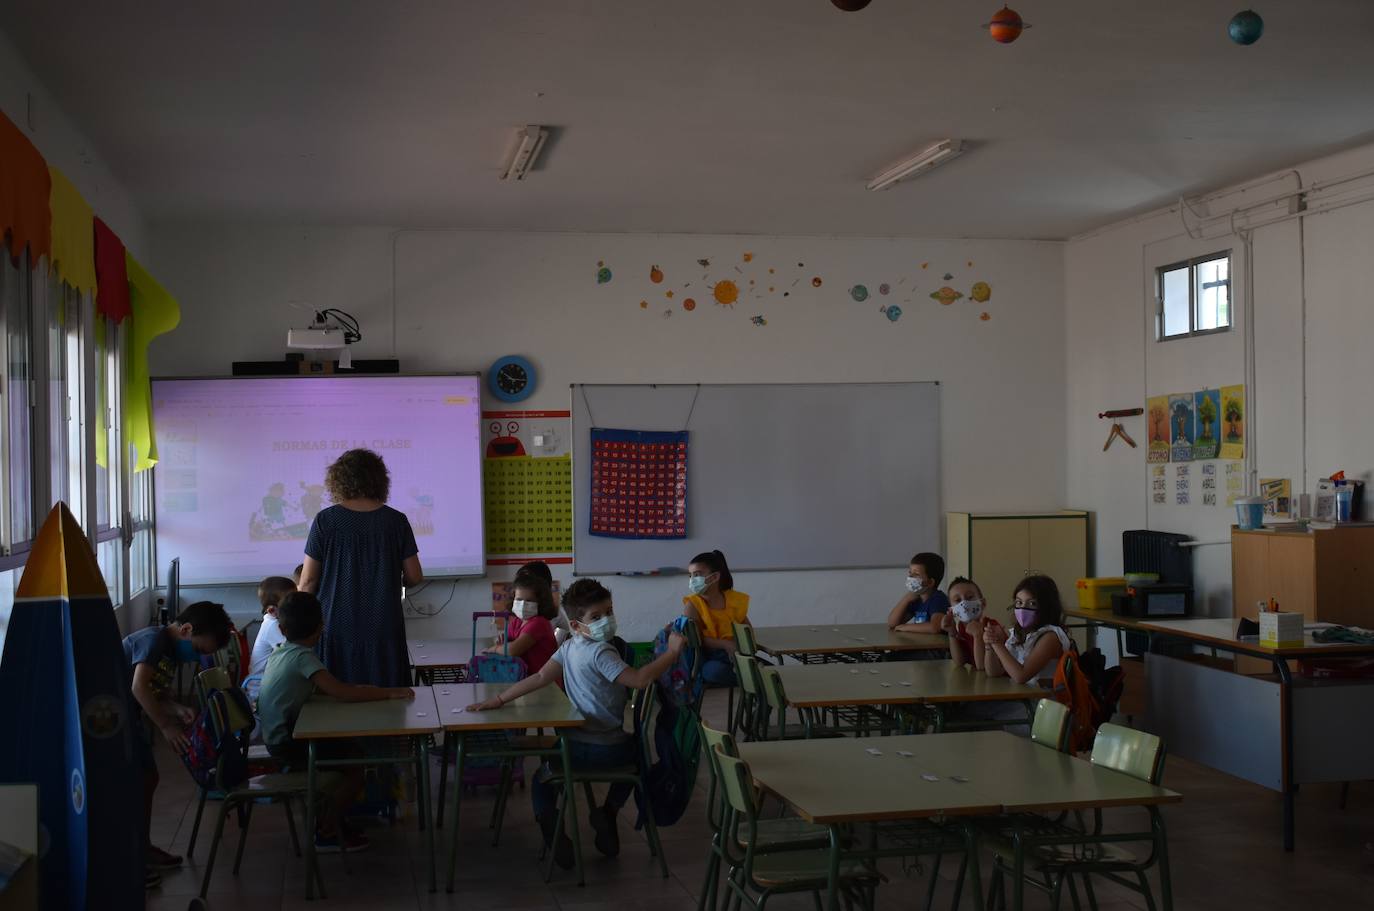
{"x":270,"y":592}
{"x":529,"y":631}
{"x":153,"y":655}
{"x":539,"y":571}
{"x":965,"y":635}
{"x":294,"y":674}
{"x":1031,"y":650}
{"x":920,"y":608}
{"x":596,"y":679}
{"x":715,"y":607}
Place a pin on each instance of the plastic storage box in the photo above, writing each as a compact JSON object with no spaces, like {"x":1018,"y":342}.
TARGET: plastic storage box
{"x":1096,"y":593}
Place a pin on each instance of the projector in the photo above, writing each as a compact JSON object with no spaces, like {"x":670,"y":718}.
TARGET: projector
{"x":316,"y":337}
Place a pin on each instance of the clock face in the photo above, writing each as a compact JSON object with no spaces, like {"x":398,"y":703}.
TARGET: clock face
{"x":512,"y":378}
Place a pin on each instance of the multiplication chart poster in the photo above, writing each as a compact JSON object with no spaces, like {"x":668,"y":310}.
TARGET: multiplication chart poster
{"x":527,"y":479}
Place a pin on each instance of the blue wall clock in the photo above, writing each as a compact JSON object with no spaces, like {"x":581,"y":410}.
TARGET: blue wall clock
{"x":511,"y":378}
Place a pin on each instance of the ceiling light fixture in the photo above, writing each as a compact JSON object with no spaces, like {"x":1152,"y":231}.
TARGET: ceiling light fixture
{"x":530,"y":142}
{"x":921,"y":162}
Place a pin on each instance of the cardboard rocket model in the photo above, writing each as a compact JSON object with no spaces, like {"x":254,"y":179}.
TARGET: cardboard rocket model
{"x":69,"y":725}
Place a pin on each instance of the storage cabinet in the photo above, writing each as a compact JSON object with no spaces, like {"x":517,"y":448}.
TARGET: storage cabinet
{"x":996,"y":550}
{"x":1326,"y":574}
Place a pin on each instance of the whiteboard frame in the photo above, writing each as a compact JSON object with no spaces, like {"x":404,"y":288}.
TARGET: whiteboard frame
{"x":573,"y":389}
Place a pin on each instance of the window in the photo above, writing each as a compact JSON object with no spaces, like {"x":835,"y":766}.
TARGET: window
{"x":16,"y":405}
{"x":141,"y":523}
{"x":1194,"y":297}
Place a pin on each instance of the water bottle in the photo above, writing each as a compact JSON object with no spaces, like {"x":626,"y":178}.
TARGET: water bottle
{"x":1345,"y":495}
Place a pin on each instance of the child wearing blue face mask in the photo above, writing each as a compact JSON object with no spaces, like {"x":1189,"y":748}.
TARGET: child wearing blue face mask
{"x":596,"y":679}
{"x":715,"y":607}
{"x":153,"y":654}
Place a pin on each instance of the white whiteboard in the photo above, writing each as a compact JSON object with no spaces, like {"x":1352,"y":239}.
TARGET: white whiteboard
{"x":779,"y":476}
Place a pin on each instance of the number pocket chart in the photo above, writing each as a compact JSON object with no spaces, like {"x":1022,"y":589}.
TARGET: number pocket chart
{"x":527,"y":481}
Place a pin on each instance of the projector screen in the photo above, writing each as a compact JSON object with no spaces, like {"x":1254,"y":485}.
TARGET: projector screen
{"x":241,"y":467}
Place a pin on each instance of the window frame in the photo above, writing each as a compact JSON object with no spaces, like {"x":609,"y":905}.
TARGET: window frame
{"x":1191,"y":265}
{"x":13,"y":552}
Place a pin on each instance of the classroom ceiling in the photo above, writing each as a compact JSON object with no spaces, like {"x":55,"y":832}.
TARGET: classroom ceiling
{"x":752,"y":116}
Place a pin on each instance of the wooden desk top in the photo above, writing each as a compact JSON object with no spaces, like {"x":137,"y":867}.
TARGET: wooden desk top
{"x":545,"y":708}
{"x":1221,"y":633}
{"x":896,"y":683}
{"x":322,"y":718}
{"x":843,"y":639}
{"x":1105,"y":617}
{"x":835,"y":781}
{"x":440,"y":652}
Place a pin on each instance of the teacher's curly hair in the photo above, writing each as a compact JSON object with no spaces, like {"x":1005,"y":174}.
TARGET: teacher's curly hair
{"x":358,"y":474}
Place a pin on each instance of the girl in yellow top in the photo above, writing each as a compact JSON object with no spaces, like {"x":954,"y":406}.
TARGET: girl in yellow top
{"x":715,"y":607}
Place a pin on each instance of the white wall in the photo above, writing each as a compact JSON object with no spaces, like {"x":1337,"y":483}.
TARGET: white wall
{"x":464,"y":299}
{"x":64,"y":146}
{"x":1320,"y":363}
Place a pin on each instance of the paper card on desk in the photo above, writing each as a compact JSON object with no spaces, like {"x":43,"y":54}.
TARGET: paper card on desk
{"x":959,"y":778}
{"x":904,"y":754}
{"x":873,"y":672}
{"x":873,"y":752}
{"x":884,"y":684}
{"x":455,"y":711}
{"x":929,"y":777}
{"x":853,"y":672}
{"x":905,"y":682}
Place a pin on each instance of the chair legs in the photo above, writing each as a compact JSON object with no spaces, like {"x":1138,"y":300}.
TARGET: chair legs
{"x":291,"y":825}
{"x":443,"y":783}
{"x":200,"y":809}
{"x":214,"y":849}
{"x":245,"y":817}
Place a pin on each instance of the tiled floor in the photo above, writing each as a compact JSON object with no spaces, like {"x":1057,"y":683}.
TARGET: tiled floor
{"x":1223,"y":845}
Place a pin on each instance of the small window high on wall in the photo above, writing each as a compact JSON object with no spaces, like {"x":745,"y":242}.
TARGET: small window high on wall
{"x":1193,"y":297}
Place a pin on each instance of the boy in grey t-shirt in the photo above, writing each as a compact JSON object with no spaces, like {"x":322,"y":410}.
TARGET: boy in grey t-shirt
{"x":597,"y":681}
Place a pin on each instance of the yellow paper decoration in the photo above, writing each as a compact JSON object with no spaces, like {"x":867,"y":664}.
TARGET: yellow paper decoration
{"x":154,"y":312}
{"x":73,"y":234}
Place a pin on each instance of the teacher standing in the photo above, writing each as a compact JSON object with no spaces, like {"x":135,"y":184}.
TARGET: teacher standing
{"x":359,"y":554}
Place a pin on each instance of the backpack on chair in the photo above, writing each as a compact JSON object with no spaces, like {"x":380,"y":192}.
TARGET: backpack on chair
{"x":681,"y":684}
{"x":216,"y":759}
{"x":670,"y":781}
{"x":1091,"y":691}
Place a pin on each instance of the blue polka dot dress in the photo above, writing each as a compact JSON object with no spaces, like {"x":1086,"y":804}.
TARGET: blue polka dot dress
{"x":360,"y":554}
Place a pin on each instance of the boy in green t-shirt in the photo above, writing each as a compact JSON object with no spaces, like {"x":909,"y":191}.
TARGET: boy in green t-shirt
{"x":294,"y":673}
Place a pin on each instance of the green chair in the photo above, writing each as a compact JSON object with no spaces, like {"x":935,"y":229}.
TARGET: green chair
{"x":1050,"y":727}
{"x":282,"y":786}
{"x":760,"y":870}
{"x":788,"y":830}
{"x":752,"y":707}
{"x":776,"y":701}
{"x":1053,"y":861}
{"x":217,"y":678}
{"x":643,"y":711}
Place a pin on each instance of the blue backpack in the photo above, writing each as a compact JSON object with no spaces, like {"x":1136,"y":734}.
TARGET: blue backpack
{"x":681,"y":685}
{"x":215,"y":756}
{"x":670,"y":782}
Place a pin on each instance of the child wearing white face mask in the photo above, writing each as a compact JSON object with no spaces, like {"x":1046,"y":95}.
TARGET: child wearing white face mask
{"x":529,"y":631}
{"x":596,"y":679}
{"x":964,"y":623}
{"x":920,"y":608}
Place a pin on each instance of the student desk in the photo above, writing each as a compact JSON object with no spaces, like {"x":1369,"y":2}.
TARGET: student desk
{"x":1277,"y":733}
{"x":847,"y":642}
{"x":937,"y":683}
{"x":837,"y":783}
{"x":544,"y":708}
{"x":326,"y":719}
{"x":429,"y":655}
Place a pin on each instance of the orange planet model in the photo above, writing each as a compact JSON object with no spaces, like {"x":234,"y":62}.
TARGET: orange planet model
{"x":689,"y":305}
{"x":655,"y":275}
{"x":725,"y":293}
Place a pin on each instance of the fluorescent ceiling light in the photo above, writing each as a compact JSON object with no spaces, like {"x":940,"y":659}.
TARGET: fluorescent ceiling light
{"x":530,"y":143}
{"x":921,"y":162}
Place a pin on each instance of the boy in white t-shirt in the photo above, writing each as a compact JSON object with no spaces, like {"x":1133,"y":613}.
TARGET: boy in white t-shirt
{"x":271,"y":591}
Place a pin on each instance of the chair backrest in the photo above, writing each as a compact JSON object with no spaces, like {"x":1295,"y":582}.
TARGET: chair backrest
{"x":1051,"y":725}
{"x":773,"y":690}
{"x":738,"y":783}
{"x":712,"y":740}
{"x":744,"y":639}
{"x":1133,"y":752}
{"x":236,"y":721}
{"x":748,"y":667}
{"x":212,"y":678}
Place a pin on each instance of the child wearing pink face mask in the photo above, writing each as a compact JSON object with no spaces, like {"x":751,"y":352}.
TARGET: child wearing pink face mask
{"x":1031,"y":650}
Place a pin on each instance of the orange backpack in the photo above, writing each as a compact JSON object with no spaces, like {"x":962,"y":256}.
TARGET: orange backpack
{"x":1090,"y":690}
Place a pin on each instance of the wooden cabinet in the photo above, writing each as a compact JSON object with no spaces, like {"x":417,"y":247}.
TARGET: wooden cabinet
{"x":1327,"y":574}
{"x":997,"y":549}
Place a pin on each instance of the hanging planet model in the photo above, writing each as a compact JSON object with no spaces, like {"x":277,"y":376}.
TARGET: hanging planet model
{"x":1245,"y":27}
